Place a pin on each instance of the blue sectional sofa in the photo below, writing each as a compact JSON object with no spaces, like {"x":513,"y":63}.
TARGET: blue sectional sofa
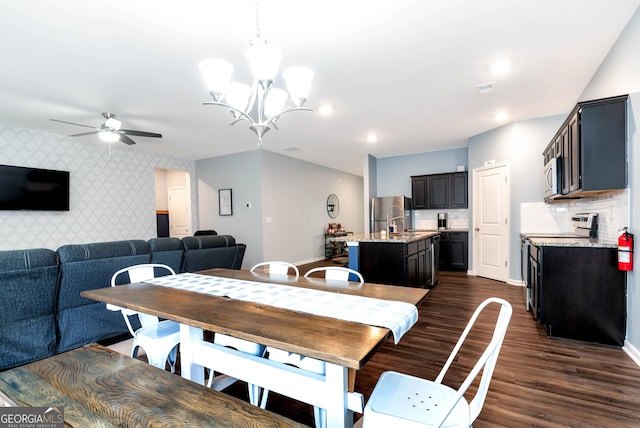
{"x":28,"y":290}
{"x":41,"y":311}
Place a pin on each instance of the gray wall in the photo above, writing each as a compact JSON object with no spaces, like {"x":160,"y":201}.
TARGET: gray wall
{"x":394,"y":173}
{"x":288,"y":216}
{"x":519,"y":144}
{"x":242,"y":173}
{"x":295,"y":197}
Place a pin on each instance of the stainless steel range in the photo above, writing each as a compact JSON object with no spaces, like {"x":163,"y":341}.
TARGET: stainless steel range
{"x":585,"y":224}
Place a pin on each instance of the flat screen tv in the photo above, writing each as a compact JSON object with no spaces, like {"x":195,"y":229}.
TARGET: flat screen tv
{"x":33,"y":189}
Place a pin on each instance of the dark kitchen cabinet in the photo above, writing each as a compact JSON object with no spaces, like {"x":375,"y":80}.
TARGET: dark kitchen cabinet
{"x":549,"y":153}
{"x":454,"y":251}
{"x":396,"y":263}
{"x":578,"y":293}
{"x":572,"y":164}
{"x":459,"y":190}
{"x":440,"y":191}
{"x":591,"y":147}
{"x":419,"y":192}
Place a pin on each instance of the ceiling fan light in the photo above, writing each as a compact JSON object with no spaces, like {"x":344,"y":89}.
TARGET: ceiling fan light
{"x":275,"y":101}
{"x":298,"y":81}
{"x":108,"y":136}
{"x":264,"y":60}
{"x":112,"y":123}
{"x":217,"y":75}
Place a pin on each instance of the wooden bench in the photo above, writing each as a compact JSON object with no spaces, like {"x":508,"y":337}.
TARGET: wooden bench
{"x":100,"y":387}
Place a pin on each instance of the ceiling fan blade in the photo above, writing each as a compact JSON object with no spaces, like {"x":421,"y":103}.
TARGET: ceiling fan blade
{"x":71,"y":123}
{"x":140,"y":133}
{"x":126,"y":139}
{"x":84,"y":133}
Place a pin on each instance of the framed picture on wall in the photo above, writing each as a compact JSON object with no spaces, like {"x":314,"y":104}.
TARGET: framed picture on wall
{"x":225,"y":203}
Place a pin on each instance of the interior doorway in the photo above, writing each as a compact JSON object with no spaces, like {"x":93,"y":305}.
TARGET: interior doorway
{"x":491,"y":221}
{"x":173,"y":203}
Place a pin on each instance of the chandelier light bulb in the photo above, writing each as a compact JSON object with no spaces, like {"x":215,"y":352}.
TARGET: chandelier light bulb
{"x":217,"y":76}
{"x":264,"y":60}
{"x":298,"y":83}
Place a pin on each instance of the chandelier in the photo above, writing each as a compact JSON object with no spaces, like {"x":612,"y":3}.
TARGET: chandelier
{"x":261,"y":104}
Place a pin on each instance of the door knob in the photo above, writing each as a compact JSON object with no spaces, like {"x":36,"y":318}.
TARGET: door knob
{"x":477,"y":229}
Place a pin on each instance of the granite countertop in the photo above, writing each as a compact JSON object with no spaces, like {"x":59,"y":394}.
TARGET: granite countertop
{"x":573,"y":242}
{"x":376,"y":237}
{"x":568,"y":241}
{"x":452,"y":229}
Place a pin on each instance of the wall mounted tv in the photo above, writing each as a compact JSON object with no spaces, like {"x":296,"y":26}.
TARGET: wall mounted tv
{"x":33,"y":189}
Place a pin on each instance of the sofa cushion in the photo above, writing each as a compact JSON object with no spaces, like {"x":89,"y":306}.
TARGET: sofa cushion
{"x":167,"y":251}
{"x":211,"y":251}
{"x":28,"y":281}
{"x":87,"y":267}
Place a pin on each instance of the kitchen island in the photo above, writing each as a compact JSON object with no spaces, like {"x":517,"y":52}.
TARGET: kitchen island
{"x":409,"y":259}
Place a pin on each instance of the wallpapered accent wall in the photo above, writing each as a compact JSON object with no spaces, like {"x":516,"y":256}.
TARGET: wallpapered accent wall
{"x":112,"y":195}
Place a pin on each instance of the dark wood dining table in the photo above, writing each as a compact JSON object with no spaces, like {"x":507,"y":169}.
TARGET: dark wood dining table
{"x":94,"y":386}
{"x":342,"y":345}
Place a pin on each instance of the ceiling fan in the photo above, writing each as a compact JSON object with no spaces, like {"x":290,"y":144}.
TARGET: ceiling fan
{"x":110,"y":130}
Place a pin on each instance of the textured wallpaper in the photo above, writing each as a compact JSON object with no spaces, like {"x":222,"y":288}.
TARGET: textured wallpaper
{"x":112,"y":195}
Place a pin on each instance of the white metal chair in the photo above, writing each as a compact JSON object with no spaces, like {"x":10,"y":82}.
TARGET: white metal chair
{"x":305,"y":363}
{"x":277,"y":268}
{"x":408,"y":401}
{"x":336,"y":273}
{"x":221,"y":382}
{"x":274,"y":268}
{"x":159,"y":339}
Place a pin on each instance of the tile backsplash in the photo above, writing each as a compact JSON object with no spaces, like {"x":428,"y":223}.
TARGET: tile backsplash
{"x":427,"y":219}
{"x":612,"y":209}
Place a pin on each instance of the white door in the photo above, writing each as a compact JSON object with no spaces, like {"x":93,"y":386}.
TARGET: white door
{"x":491,"y":222}
{"x":179,"y":212}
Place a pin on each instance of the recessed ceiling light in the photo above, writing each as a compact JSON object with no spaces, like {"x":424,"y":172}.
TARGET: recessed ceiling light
{"x":372,"y":138}
{"x":502,"y":116}
{"x":500,"y":67}
{"x":326,"y":109}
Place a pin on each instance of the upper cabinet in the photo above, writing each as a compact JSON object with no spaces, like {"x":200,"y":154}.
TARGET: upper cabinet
{"x":440,"y":191}
{"x":591,"y":148}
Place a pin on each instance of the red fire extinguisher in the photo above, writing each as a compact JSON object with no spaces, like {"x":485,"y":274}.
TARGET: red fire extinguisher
{"x":625,"y":251}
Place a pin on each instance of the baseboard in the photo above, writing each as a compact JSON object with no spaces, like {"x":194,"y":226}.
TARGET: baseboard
{"x":516,"y":282}
{"x":304,"y":262}
{"x":511,"y":281}
{"x":632,"y":352}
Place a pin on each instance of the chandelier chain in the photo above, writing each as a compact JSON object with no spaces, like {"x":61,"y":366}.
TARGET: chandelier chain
{"x":257,"y":3}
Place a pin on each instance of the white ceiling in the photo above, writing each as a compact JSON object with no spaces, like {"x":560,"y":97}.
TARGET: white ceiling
{"x":406,"y":70}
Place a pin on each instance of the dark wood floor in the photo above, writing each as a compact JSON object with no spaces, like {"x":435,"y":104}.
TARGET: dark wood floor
{"x":538,"y":381}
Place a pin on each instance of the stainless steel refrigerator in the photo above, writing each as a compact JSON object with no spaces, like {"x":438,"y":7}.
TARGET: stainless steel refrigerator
{"x":388,"y":210}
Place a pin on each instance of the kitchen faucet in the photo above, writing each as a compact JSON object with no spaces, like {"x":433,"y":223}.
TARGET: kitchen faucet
{"x":393,"y":219}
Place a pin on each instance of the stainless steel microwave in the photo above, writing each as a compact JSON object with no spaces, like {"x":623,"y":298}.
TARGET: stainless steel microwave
{"x":552,"y":179}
